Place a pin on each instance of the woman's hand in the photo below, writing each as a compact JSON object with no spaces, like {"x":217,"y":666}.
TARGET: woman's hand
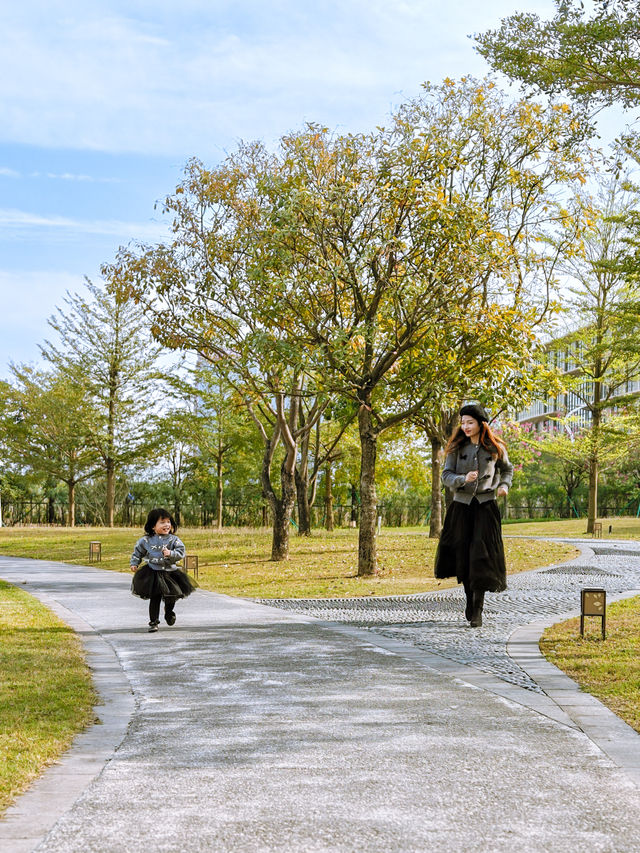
{"x":471,"y":477}
{"x":133,"y":568}
{"x":502,"y":491}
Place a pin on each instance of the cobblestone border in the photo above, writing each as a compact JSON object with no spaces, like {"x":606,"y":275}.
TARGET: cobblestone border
{"x":434,"y":621}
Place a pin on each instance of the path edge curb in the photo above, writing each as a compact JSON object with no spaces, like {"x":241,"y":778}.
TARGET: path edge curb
{"x":34,"y":813}
{"x":615,"y":738}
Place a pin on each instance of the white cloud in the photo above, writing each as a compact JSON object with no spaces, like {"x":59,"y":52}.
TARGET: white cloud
{"x":6,"y":172}
{"x":180,"y":78}
{"x":22,"y":221}
{"x":68,"y":176}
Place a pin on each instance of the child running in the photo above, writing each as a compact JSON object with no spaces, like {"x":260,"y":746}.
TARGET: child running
{"x":159,"y":578}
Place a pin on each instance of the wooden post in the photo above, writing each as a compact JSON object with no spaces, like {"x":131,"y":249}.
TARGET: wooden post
{"x":593,"y":602}
{"x":191,"y":564}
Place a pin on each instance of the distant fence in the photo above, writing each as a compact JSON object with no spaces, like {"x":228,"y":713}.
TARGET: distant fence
{"x":259,"y":515}
{"x":200,"y":515}
{"x":606,"y":509}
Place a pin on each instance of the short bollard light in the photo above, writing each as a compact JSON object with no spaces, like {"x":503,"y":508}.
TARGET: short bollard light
{"x":597,"y":530}
{"x":95,"y":552}
{"x":191,"y":564}
{"x":593,"y":602}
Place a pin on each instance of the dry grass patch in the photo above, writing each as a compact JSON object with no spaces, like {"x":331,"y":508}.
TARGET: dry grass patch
{"x":236,"y":562}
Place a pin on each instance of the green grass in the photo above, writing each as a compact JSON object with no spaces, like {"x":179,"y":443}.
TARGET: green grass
{"x":623,"y":527}
{"x":609,"y":669}
{"x":236,"y":562}
{"x":46,"y":696}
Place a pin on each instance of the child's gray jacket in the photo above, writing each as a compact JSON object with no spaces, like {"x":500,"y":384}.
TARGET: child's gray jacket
{"x":151,"y":548}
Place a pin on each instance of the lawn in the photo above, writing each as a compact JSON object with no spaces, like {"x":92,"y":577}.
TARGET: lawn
{"x":46,"y":696}
{"x":609,"y":669}
{"x":236,"y":561}
{"x":622,"y":527}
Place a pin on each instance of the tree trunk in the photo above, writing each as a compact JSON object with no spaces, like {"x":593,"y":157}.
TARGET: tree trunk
{"x":367,"y":546}
{"x":111,"y":491}
{"x":592,"y":510}
{"x":282,"y":508}
{"x":304,"y":510}
{"x":282,"y":512}
{"x":353,"y":515}
{"x":72,"y":504}
{"x":435,"y":525}
{"x":219,"y":492}
{"x":328,"y":497}
{"x":111,"y":432}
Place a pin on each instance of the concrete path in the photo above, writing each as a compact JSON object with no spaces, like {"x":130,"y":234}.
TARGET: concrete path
{"x":251,"y":728}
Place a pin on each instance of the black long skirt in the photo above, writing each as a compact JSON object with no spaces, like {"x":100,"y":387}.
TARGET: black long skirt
{"x":148,"y":583}
{"x":471,"y":548}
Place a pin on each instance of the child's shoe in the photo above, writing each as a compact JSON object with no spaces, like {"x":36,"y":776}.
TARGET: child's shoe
{"x":153,"y":626}
{"x":170,"y":618}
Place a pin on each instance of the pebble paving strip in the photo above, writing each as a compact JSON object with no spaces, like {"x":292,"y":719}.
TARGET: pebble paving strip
{"x":434,"y":621}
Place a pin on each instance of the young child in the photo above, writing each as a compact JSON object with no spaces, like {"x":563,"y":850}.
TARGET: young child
{"x":159,"y":578}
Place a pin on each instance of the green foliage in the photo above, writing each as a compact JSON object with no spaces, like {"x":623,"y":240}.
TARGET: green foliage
{"x":591,"y":53}
{"x":45,"y":421}
{"x":103,"y":348}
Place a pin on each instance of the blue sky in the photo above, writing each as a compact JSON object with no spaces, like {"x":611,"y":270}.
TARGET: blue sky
{"x":102,"y":103}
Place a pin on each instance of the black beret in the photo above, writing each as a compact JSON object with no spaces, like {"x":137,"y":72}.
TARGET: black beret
{"x":474,"y":410}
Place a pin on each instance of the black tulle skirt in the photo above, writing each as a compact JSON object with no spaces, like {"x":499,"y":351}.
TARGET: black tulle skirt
{"x":471,"y":548}
{"x":148,"y":583}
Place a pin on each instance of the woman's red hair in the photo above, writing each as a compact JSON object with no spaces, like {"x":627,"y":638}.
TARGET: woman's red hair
{"x":488,"y":439}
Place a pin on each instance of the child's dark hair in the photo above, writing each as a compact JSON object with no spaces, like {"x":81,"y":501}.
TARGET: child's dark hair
{"x":154,"y":517}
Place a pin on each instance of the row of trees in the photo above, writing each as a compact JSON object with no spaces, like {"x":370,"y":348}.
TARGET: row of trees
{"x":112,"y":418}
{"x":375,"y":279}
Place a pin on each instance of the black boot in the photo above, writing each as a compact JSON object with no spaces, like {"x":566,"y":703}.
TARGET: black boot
{"x":468,"y":610}
{"x":476,"y":616}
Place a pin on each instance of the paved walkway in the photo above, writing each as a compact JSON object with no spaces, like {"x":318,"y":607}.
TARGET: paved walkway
{"x":248,"y":727}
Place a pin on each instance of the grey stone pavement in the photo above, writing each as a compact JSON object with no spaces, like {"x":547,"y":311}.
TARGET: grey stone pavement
{"x":373,"y":725}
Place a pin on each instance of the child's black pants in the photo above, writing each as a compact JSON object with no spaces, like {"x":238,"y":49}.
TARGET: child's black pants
{"x":154,"y":606}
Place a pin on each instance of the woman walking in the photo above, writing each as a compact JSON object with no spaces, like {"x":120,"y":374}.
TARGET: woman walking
{"x":476,"y":470}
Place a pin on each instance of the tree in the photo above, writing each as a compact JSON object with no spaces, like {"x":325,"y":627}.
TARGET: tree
{"x":318,"y":449}
{"x":46,"y":421}
{"x":545,"y":460}
{"x":221,"y":428}
{"x":206,"y":283}
{"x":594,"y":58}
{"x":316,"y":271}
{"x":104,"y":349}
{"x":602,"y":354}
{"x":176,"y":436}
{"x":398,"y":237}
